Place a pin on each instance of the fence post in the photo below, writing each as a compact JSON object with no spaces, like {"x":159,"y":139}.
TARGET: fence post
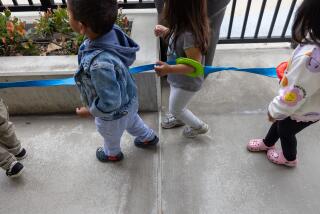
{"x":46,"y":4}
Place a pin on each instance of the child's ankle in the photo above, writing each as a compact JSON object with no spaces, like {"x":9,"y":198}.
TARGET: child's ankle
{"x":267,"y":144}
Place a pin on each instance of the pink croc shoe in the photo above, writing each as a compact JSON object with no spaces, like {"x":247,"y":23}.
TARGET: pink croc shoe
{"x":257,"y":145}
{"x":277,"y":157}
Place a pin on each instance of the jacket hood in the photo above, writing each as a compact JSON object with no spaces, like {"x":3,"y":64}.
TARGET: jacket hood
{"x":117,"y":43}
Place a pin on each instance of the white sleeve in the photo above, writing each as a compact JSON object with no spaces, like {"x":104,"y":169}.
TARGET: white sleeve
{"x":301,"y":81}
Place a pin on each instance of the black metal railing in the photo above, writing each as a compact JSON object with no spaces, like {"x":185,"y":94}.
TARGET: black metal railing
{"x":257,"y":37}
{"x":45,"y":4}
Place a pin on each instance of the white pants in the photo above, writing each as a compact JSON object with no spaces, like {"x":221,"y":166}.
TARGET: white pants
{"x":178,"y":101}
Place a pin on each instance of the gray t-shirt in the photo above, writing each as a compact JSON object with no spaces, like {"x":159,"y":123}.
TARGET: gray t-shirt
{"x":184,"y":41}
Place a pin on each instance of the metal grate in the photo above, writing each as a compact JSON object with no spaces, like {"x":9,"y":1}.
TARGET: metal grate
{"x":15,"y":6}
{"x":257,"y":36}
{"x":231,"y":17}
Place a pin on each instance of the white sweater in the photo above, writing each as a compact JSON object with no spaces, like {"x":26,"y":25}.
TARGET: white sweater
{"x":299,"y":94}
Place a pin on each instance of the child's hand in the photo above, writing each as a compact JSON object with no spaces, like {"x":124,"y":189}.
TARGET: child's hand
{"x":161,"y":31}
{"x":270,"y":118}
{"x":83,"y":112}
{"x":162,"y":68}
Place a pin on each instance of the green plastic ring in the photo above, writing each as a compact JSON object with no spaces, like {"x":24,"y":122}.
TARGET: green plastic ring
{"x":199,"y":70}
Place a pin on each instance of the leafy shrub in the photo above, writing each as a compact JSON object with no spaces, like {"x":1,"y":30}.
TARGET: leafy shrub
{"x":53,"y":26}
{"x":51,"y":34}
{"x":13,"y":37}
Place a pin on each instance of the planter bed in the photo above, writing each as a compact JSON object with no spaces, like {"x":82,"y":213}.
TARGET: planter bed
{"x":64,"y":99}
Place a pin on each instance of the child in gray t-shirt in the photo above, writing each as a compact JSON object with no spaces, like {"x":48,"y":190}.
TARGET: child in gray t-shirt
{"x":187,"y":36}
{"x":184,"y":42}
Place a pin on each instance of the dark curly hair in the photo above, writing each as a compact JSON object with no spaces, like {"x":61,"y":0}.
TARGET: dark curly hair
{"x":98,"y":15}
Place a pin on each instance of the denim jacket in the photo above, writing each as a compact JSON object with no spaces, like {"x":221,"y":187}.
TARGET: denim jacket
{"x":106,"y":86}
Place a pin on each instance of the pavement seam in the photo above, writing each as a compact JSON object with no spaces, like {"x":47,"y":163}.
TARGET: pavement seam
{"x":159,"y":168}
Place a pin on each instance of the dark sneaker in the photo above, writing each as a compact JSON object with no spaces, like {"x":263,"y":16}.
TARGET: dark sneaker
{"x":22,"y":154}
{"x":15,"y":170}
{"x":101,"y":156}
{"x":144,"y":144}
{"x":171,"y":121}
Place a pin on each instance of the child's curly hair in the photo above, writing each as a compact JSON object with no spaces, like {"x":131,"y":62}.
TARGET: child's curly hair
{"x":98,"y":15}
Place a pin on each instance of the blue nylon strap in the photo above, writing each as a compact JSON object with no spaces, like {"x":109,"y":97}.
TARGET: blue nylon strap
{"x":38,"y":83}
{"x":269,"y":72}
{"x":142,"y":68}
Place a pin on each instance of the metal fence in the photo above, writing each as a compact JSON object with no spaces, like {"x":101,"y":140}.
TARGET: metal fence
{"x":41,"y":5}
{"x":242,"y":17}
{"x":287,"y":16}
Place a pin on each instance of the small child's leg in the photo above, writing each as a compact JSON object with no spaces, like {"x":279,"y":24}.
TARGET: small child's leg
{"x":178,"y":101}
{"x":8,"y":138}
{"x":9,"y":141}
{"x":10,"y":146}
{"x":287,"y":130}
{"x":111,"y":132}
{"x":145,"y":136}
{"x":272,"y":136}
{"x":6,"y":159}
{"x":289,"y":147}
{"x":9,"y":163}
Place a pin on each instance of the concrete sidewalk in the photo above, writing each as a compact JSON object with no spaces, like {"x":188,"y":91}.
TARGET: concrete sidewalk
{"x":212,"y":174}
{"x":215,"y":174}
{"x":63,"y":176}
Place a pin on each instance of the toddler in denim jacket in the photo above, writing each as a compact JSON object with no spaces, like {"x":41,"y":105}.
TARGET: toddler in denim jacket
{"x":106,"y":86}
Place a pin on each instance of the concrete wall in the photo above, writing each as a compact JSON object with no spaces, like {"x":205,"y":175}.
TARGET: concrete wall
{"x":64,"y":99}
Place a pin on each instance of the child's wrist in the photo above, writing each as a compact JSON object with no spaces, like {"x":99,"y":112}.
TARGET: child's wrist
{"x":166,"y":31}
{"x":170,"y":69}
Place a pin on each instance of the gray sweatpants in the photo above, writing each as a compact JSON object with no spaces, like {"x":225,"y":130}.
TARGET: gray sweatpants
{"x":216,"y":10}
{"x":112,"y":131}
{"x":9,"y":144}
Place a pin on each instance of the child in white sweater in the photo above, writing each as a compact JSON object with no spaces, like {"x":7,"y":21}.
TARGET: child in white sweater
{"x":298,"y":103}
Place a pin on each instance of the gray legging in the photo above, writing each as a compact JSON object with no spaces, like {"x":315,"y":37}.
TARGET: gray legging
{"x":216,"y":10}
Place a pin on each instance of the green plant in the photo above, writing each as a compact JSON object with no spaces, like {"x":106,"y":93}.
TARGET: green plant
{"x":51,"y":34}
{"x":123,"y":22}
{"x":53,"y":26}
{"x":74,"y":43}
{"x":14,"y":40}
{"x":51,"y":22}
